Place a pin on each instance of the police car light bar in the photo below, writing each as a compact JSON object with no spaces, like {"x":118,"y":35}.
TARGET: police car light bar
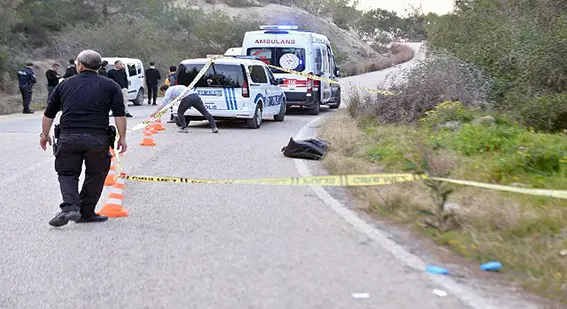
{"x":276,"y":27}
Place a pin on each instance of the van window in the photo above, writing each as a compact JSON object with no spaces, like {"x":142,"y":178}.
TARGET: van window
{"x":257,"y":74}
{"x":132,"y":69}
{"x":291,"y":58}
{"x":318,"y":61}
{"x":325,"y":60}
{"x":139,"y":68}
{"x":331,"y":61}
{"x":218,"y":75}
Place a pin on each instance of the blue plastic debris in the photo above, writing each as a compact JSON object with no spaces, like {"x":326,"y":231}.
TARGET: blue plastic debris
{"x":491,"y":266}
{"x":436,"y":270}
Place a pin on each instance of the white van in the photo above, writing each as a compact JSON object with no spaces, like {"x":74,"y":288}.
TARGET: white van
{"x":303,"y":51}
{"x":234,"y":51}
{"x":136,"y":77}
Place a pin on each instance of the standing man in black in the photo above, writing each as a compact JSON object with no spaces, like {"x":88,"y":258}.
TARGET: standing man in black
{"x":152,"y":79}
{"x":102,"y":70}
{"x":118,"y":74}
{"x":26,"y":80}
{"x":85,"y":101}
{"x":71,"y":69}
{"x":53,"y":77}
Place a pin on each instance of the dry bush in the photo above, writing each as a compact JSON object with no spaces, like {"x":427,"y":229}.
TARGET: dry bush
{"x":429,"y":82}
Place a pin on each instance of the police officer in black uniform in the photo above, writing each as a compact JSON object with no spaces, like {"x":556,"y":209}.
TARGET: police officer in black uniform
{"x":26,"y":80}
{"x":83,"y":134}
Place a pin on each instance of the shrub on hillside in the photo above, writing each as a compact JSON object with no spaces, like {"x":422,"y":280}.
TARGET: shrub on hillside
{"x":543,"y":113}
{"x":431,"y":81}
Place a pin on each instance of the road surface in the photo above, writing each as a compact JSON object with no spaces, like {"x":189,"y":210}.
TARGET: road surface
{"x":194,"y":246}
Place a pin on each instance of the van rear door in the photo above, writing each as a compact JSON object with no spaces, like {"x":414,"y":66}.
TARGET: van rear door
{"x":291,"y":58}
{"x":220,"y":88}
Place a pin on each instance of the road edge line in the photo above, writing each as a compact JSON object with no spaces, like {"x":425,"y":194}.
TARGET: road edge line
{"x":463,"y":293}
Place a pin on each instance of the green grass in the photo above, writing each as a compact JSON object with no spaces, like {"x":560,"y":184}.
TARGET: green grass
{"x":525,"y":233}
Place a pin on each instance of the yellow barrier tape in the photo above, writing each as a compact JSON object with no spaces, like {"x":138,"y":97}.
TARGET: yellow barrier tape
{"x":345,"y":181}
{"x":176,"y":100}
{"x":327,"y":181}
{"x":541,"y":192}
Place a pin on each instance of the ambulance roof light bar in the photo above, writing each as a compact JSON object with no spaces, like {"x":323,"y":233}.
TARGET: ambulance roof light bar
{"x":279,"y":27}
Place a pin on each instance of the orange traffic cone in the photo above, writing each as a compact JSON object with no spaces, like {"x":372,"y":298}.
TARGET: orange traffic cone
{"x":110,"y":178}
{"x":148,"y":139}
{"x":113,"y":207}
{"x":158,"y":126}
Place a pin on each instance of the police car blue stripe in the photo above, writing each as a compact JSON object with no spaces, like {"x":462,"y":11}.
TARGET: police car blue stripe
{"x":234,"y":99}
{"x":225,"y":95}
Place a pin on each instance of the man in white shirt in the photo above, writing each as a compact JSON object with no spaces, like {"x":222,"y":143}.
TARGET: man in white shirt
{"x":191,"y":99}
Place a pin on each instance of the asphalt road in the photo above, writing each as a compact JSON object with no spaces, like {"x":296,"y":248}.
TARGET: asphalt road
{"x":193,"y":246}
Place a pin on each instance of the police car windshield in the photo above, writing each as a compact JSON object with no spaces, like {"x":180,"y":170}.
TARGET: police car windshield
{"x":218,"y":75}
{"x":291,"y":58}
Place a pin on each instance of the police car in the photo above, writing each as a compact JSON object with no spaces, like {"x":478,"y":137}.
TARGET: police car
{"x":307,"y":52}
{"x":234,"y":88}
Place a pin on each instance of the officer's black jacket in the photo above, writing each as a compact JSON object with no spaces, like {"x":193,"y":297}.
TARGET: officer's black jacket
{"x":52,"y":79}
{"x":102,"y":72}
{"x":26,"y":77}
{"x":152,"y":77}
{"x":85,"y":100}
{"x":71,"y":70}
{"x":119,"y":76}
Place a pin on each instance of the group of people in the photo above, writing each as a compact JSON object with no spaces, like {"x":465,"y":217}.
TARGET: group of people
{"x":27,"y":79}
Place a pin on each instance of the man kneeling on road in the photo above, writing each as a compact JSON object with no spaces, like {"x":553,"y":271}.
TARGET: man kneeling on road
{"x":190,"y":100}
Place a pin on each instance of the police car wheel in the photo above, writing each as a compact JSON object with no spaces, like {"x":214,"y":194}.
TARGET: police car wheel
{"x":281,"y":115}
{"x":256,"y":121}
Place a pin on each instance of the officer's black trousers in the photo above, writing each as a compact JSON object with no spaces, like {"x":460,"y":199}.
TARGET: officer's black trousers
{"x":152,"y":93}
{"x":193,"y":100}
{"x":72,"y":151}
{"x":26,"y":97}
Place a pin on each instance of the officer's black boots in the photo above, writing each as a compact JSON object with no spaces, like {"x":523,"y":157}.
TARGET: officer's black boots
{"x":92,"y":219}
{"x":64,"y":217}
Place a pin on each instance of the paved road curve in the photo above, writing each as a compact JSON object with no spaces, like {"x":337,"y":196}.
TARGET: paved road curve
{"x":192,"y":246}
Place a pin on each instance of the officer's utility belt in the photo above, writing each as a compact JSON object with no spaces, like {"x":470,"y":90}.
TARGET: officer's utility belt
{"x":110,"y":131}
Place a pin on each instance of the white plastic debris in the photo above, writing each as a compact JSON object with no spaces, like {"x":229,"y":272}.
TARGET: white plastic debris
{"x":360,"y":295}
{"x":440,"y":293}
{"x":563,"y":253}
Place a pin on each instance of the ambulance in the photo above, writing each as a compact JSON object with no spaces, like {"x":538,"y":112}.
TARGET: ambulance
{"x":303,"y":51}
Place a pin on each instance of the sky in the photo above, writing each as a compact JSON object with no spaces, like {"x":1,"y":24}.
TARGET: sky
{"x":399,"y":6}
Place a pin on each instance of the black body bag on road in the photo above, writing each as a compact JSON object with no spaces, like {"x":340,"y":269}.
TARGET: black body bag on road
{"x":311,"y":149}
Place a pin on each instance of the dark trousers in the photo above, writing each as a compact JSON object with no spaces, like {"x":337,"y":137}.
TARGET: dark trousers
{"x":72,"y":150}
{"x":26,"y":97}
{"x":193,"y":100}
{"x":49,"y":91}
{"x":152,"y":93}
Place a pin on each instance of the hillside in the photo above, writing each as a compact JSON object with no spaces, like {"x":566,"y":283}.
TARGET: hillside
{"x":348,"y":44}
{"x":163,"y":33}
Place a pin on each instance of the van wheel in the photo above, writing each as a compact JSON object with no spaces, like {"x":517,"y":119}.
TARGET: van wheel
{"x":139,"y":98}
{"x":314,"y":110}
{"x":256,"y":121}
{"x":337,"y":102}
{"x":281,"y":116}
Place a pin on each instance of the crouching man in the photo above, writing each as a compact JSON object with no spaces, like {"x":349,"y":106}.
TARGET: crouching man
{"x":192,"y":99}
